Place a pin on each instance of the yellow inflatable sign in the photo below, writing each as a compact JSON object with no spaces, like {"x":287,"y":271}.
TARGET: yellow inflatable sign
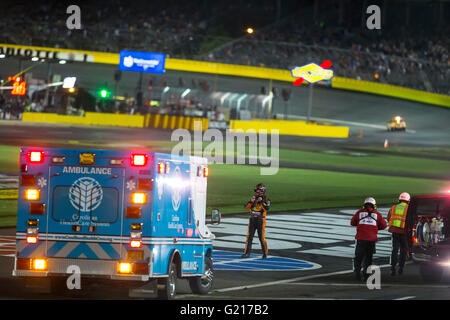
{"x":312,"y":73}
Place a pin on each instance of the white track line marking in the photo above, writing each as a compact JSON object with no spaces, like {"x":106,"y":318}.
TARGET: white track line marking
{"x":273,"y":283}
{"x":406,"y":298}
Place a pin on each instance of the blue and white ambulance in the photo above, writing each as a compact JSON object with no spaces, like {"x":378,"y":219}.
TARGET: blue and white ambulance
{"x":133,"y":216}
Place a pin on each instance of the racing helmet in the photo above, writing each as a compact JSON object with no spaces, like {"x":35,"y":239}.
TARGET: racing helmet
{"x":404,"y":196}
{"x":260,"y":188}
{"x":370,"y":201}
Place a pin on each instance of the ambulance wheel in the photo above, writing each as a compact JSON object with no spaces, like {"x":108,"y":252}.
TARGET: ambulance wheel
{"x":203,"y":284}
{"x":167,"y":286}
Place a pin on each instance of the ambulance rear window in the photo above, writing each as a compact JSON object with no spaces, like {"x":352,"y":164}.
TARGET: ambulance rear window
{"x":98,"y":204}
{"x":108,"y":211}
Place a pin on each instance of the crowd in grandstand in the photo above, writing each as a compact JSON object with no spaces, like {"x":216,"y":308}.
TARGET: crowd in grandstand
{"x":105,"y":27}
{"x":11,"y":107}
{"x":420,"y":61}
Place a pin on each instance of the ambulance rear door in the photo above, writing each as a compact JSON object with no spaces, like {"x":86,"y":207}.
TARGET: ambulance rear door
{"x":85,"y":209}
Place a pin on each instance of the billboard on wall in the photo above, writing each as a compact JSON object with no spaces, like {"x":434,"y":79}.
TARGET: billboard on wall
{"x":142,"y":61}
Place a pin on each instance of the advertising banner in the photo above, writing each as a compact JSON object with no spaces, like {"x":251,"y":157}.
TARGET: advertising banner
{"x":142,"y":61}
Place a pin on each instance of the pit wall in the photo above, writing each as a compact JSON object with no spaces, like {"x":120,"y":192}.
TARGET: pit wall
{"x":90,"y":118}
{"x":122,"y":120}
{"x":293,"y":128}
{"x":233,"y":70}
{"x":298,"y":128}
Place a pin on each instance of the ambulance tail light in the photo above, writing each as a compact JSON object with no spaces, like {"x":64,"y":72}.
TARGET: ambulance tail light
{"x":133,"y":213}
{"x":145,"y":184}
{"x":36,"y":156}
{"x":161,"y":168}
{"x":135,"y":243}
{"x":24,"y":264}
{"x":32,"y":239}
{"x":124,"y":267}
{"x":32,"y":233}
{"x":135,"y":268}
{"x":40,"y":264}
{"x":140,"y":268}
{"x":31,"y":264}
{"x":28,"y":180}
{"x":139,"y":198}
{"x":33,"y":222}
{"x":37,"y":208}
{"x":32,"y":194}
{"x":139,"y":160}
{"x":136,"y":236}
{"x":136,"y":226}
{"x":203,"y":171}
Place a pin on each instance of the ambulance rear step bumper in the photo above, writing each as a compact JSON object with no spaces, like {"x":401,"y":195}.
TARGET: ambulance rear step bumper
{"x":88,"y":268}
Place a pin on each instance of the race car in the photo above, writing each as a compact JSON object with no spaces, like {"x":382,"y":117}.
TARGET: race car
{"x":396,"y":124}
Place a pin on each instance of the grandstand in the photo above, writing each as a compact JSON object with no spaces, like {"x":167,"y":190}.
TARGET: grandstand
{"x":413,"y":54}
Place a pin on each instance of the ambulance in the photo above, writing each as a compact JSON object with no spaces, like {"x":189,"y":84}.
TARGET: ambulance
{"x":134,"y":217}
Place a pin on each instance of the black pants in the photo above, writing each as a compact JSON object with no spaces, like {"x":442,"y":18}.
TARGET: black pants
{"x":256,"y":224}
{"x":363,"y":255}
{"x":398,"y":243}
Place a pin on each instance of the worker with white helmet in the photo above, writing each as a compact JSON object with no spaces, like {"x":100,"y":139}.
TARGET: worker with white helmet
{"x":367,"y":222}
{"x":397,"y":222}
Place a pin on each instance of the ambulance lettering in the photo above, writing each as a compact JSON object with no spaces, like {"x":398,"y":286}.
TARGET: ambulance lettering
{"x":190,"y":265}
{"x":176,"y":192}
{"x":86,"y":170}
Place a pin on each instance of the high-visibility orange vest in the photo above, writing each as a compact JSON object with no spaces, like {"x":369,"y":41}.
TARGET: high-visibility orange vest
{"x":398,"y":215}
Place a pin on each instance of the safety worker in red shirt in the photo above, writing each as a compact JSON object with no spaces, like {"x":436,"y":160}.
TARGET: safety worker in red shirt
{"x":367,"y":222}
{"x":258,"y":206}
{"x":397,"y":222}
